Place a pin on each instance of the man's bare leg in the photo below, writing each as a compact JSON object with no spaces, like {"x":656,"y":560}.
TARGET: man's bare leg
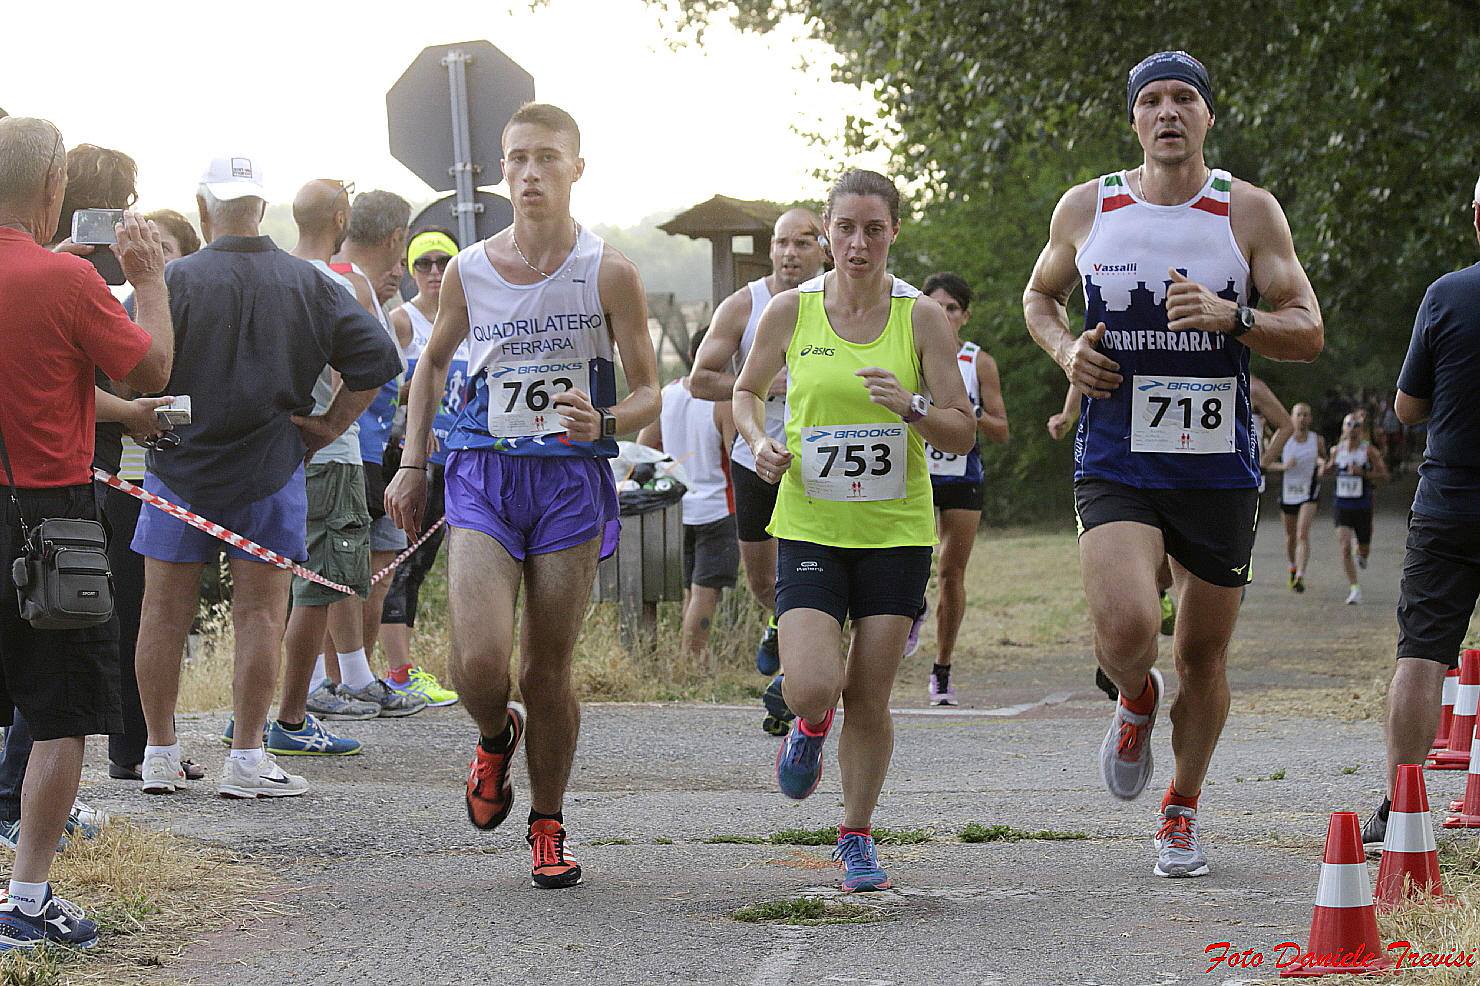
{"x":759,"y":559}
{"x":259,"y":610}
{"x":698,"y":613}
{"x":47,"y":794}
{"x":171,"y":600}
{"x":1210,"y":613}
{"x":555,"y":588}
{"x":306,"y":629}
{"x":483,"y":584}
{"x":1415,"y":700}
{"x":1119,"y":563}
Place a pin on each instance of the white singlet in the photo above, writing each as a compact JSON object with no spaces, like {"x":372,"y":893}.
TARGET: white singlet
{"x":530,"y":342}
{"x":691,"y":438}
{"x":740,"y":454}
{"x":1299,"y":458}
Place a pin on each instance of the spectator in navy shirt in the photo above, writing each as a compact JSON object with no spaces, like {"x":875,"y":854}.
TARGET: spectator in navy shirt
{"x":255,"y":327}
{"x":1441,"y":567}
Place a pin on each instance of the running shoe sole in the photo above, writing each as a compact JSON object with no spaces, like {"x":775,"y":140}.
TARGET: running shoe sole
{"x":343,"y":717}
{"x":314,"y":753}
{"x":1200,"y":871}
{"x":868,"y":886}
{"x":247,"y":794}
{"x":557,"y":882}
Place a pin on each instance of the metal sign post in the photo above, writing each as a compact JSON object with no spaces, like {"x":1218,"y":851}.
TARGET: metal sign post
{"x":463,"y":168}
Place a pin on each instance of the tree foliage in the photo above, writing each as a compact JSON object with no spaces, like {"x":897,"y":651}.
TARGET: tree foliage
{"x":1356,"y":114}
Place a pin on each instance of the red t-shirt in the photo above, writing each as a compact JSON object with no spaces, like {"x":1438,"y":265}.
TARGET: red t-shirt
{"x":58,"y":321}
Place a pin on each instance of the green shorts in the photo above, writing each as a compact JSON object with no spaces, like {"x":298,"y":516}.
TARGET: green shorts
{"x":338,"y":533}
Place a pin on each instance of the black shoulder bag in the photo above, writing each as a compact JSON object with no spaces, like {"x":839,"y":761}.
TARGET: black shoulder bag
{"x":63,"y":581}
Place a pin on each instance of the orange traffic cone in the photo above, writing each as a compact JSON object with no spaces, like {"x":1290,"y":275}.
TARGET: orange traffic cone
{"x":1410,"y":864}
{"x":1343,"y":928}
{"x":1446,"y":717}
{"x":1469,"y":808}
{"x":1462,"y":730}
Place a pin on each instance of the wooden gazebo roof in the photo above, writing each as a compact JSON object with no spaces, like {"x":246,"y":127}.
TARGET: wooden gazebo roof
{"x":724,"y":216}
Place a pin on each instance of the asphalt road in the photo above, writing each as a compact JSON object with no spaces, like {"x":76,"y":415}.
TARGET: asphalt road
{"x":391,"y":884}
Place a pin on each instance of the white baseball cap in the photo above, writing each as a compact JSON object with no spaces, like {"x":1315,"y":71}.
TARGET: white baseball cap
{"x":233,"y":177}
{"x":1477,"y":190}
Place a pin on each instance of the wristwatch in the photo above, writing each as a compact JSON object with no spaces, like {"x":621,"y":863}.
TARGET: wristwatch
{"x":1243,"y":321}
{"x":608,"y":424}
{"x":919,"y":407}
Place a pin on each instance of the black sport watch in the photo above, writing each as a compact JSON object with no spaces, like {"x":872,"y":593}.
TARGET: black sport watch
{"x":1243,"y":321}
{"x":608,"y":424}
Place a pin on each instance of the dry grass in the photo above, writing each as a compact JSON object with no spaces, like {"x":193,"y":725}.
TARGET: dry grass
{"x":152,"y":895}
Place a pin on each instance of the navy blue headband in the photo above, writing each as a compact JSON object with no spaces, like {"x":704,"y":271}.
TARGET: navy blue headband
{"x":1168,"y":65}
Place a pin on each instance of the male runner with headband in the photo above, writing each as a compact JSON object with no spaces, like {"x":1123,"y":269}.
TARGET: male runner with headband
{"x":530,"y":496}
{"x":1170,"y":255}
{"x":796,"y":256}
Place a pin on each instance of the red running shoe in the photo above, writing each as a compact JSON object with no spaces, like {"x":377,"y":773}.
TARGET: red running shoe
{"x":489,"y":794}
{"x":553,"y":867}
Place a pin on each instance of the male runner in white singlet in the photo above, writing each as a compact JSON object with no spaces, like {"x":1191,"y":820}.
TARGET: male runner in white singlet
{"x":1170,"y":256}
{"x":529,"y":494}
{"x":796,"y":257}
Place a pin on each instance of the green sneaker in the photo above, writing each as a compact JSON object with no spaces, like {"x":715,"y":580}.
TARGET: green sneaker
{"x":1168,"y":615}
{"x":420,"y":683}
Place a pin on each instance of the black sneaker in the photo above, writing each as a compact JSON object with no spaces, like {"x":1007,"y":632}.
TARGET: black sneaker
{"x":1374,"y":829}
{"x":60,"y":922}
{"x":1103,"y":682}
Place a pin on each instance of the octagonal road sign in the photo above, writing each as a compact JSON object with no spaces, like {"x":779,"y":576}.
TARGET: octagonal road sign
{"x":419,"y":111}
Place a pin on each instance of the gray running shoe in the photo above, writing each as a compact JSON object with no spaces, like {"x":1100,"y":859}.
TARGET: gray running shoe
{"x":1178,"y":851}
{"x":1125,"y":756}
{"x":331,"y":701}
{"x":391,"y":703}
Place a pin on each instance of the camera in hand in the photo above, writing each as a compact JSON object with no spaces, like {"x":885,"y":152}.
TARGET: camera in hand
{"x":95,"y":228}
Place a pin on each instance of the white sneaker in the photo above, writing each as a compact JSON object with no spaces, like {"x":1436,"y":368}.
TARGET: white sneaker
{"x":1355,"y":596}
{"x":265,"y":780}
{"x":161,"y":773}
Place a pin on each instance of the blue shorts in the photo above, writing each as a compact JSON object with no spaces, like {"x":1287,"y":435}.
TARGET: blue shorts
{"x":278,"y":522}
{"x":533,"y":505}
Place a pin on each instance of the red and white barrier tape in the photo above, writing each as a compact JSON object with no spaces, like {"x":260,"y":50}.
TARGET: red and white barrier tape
{"x":250,"y":547}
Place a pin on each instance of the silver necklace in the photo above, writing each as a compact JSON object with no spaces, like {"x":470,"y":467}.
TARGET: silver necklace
{"x":575,"y":228}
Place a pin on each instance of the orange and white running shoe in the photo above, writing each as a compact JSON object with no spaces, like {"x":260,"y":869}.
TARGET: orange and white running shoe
{"x":489,"y":792}
{"x":553,"y":867}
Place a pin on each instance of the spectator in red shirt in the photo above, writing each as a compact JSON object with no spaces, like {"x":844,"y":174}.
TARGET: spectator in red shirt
{"x":59,"y":324}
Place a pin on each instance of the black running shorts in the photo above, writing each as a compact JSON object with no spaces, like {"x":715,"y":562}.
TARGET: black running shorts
{"x":711,"y":555}
{"x":755,"y":499}
{"x":958,"y":496}
{"x":1360,"y":521}
{"x":1209,"y":532}
{"x":851,"y":583}
{"x":1441,"y":581}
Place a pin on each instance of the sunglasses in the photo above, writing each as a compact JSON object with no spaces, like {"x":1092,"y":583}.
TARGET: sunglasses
{"x":424,"y":265}
{"x":347,"y":187}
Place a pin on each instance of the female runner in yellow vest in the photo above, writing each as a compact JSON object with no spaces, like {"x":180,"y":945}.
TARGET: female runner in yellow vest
{"x":854,"y":519}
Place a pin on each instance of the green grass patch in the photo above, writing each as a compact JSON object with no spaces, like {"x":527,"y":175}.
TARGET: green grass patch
{"x":822,"y":837}
{"x":609,"y":842}
{"x":735,"y":840}
{"x":806,"y":911}
{"x":977,"y":832}
{"x":663,"y":840}
{"x":1278,"y":775}
{"x":1348,"y":770}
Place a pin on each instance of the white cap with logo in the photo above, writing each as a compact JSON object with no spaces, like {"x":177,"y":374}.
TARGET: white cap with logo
{"x":233,"y":177}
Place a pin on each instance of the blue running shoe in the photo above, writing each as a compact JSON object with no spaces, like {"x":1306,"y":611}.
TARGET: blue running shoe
{"x":778,"y":716}
{"x":860,"y":864}
{"x":313,"y":740}
{"x":768,"y":651}
{"x":799,"y":761}
{"x":60,"y":922}
{"x":230,"y":730}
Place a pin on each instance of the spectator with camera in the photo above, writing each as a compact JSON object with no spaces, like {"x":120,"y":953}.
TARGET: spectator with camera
{"x":59,"y":325}
{"x":255,"y":328}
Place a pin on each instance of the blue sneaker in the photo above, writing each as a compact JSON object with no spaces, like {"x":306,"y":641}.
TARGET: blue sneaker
{"x":60,"y":922}
{"x":778,"y":716}
{"x":860,"y":863}
{"x":799,"y":761}
{"x":226,"y":734}
{"x":768,"y":651}
{"x":313,"y":740}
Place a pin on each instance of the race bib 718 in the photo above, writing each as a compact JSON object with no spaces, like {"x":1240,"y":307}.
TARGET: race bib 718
{"x":1186,"y":415}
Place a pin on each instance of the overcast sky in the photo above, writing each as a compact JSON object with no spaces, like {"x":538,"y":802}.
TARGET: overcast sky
{"x":301,"y":86}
